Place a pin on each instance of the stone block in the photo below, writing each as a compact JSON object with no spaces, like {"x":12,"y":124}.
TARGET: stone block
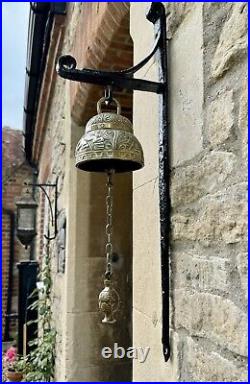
{"x":220,"y":118}
{"x":220,"y":217}
{"x":208,"y":175}
{"x":89,"y":278}
{"x":176,"y":13}
{"x":243,"y":123}
{"x":146,"y":252}
{"x":212,"y":317}
{"x":186,"y":88}
{"x":194,"y":272}
{"x":154,"y":368}
{"x":145,"y":120}
{"x":242,"y":266}
{"x":209,"y":366}
{"x":233,"y":40}
{"x":86,"y":335}
{"x":118,"y":372}
{"x":142,"y":34}
{"x":146,"y":128}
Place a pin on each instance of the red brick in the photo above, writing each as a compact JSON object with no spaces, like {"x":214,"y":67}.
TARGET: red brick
{"x":12,"y":190}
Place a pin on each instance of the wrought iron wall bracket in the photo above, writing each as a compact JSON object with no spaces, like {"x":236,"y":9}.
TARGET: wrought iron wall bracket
{"x":67,"y":68}
{"x":53,"y":212}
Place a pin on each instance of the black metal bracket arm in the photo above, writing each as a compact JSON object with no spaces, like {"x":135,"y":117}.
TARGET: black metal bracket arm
{"x":67,"y":68}
{"x":53,"y":212}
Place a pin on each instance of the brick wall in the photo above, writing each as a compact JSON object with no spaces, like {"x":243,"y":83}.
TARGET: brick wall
{"x":5,"y":264}
{"x":103,"y":42}
{"x":15,"y":172}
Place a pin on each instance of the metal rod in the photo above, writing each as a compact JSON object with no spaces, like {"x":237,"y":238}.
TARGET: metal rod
{"x":40,"y":185}
{"x":66,"y":68}
{"x":50,"y":205}
{"x":143,"y":62}
{"x":54,"y":222}
{"x":53,"y":214}
{"x":114,"y":79}
{"x":157,"y":16}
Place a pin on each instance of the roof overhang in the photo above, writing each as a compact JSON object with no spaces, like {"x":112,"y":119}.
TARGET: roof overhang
{"x":41,"y":20}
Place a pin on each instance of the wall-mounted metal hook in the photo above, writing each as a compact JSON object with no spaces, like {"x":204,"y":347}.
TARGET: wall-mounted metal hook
{"x":67,"y":68}
{"x":53,"y":212}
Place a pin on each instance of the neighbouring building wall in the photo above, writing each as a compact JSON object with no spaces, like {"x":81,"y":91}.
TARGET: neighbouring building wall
{"x":15,"y":171}
{"x":208,"y":119}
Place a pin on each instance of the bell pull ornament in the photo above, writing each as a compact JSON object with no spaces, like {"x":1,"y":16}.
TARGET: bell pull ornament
{"x":109,"y":145}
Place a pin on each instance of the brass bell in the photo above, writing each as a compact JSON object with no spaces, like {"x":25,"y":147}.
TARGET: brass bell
{"x":109,"y":143}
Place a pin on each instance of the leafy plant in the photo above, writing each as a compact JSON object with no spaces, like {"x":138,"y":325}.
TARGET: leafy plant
{"x":12,"y":361}
{"x":41,"y":360}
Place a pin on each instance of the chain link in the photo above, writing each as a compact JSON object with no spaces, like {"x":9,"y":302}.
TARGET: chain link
{"x":109,"y":225}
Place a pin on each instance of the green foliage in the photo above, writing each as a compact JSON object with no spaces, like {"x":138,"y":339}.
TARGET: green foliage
{"x":20,"y":365}
{"x":41,"y":360}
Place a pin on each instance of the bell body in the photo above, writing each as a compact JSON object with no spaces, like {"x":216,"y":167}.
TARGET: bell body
{"x":109,"y":143}
{"x":108,"y":302}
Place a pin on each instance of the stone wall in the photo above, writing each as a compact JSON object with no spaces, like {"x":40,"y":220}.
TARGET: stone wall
{"x":208,"y":118}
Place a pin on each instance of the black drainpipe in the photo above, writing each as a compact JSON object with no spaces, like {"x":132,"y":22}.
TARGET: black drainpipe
{"x":8,"y":314}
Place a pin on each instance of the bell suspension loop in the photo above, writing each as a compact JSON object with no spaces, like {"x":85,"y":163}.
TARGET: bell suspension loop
{"x":108,"y":95}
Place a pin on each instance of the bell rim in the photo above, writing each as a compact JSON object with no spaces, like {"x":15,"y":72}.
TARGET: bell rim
{"x":137,"y":165}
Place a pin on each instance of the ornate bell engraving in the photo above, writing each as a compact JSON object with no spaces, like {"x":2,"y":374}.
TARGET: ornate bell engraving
{"x":109,"y":143}
{"x":108,"y":302}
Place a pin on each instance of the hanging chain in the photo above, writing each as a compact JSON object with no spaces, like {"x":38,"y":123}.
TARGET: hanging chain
{"x":109,"y":226}
{"x":108,"y":298}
